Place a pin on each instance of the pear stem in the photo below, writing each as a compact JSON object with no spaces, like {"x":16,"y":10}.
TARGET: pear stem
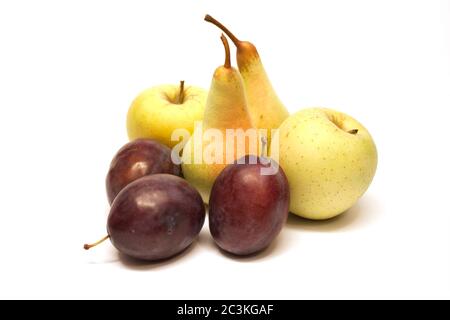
{"x":227,"y":63}
{"x":353,"y":131}
{"x":181,"y":94}
{"x":89,"y":246}
{"x":233,"y":38}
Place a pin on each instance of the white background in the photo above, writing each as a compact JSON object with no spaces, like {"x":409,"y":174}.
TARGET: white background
{"x":70,"y":69}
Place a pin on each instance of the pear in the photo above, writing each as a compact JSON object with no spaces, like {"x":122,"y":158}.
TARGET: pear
{"x":266,"y":109}
{"x":208,"y":151}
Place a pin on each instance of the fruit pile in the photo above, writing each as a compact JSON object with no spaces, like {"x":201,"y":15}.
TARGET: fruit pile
{"x":190,"y":147}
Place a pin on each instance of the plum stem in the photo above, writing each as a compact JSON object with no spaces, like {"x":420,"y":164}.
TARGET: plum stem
{"x":233,"y":38}
{"x":227,"y":63}
{"x":89,"y":246}
{"x":181,"y":94}
{"x":353,"y":131}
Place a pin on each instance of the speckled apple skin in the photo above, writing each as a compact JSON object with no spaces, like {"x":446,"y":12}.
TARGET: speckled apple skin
{"x":328,"y":168}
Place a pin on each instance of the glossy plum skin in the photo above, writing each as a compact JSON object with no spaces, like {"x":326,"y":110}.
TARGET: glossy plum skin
{"x":247,"y":210}
{"x":155,"y":217}
{"x":136,"y":159}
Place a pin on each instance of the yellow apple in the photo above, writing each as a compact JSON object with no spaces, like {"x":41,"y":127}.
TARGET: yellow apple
{"x":160,"y":110}
{"x":330,"y":160}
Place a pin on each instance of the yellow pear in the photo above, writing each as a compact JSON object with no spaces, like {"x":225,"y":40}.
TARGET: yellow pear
{"x":160,"y":110}
{"x":208,"y":151}
{"x":329,"y":159}
{"x":265,"y":108}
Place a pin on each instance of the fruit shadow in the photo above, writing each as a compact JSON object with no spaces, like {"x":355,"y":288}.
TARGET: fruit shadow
{"x":112,"y":257}
{"x":278,"y":246}
{"x":141,"y":265}
{"x":357,"y":216}
{"x":275,"y":248}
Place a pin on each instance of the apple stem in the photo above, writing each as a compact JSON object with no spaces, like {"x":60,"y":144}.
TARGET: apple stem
{"x":233,"y":38}
{"x":353,"y":131}
{"x":89,"y":246}
{"x":263,"y":146}
{"x":227,"y":63}
{"x":181,"y":94}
